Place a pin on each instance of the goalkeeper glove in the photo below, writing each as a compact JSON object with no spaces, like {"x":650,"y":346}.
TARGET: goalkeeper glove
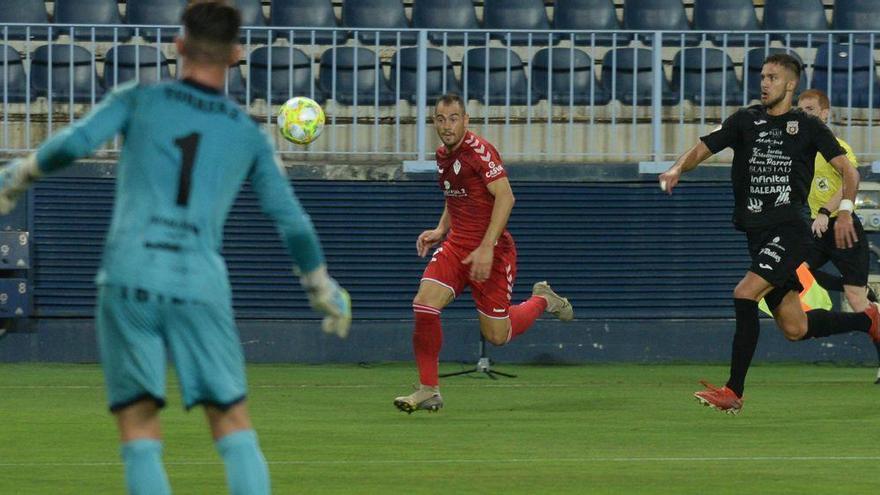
{"x":327,"y":297}
{"x":15,"y":178}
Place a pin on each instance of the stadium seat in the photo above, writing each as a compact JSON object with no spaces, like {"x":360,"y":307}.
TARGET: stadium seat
{"x":486,"y":77}
{"x":13,"y":80}
{"x":843,"y":71}
{"x":234,"y":86}
{"x":156,"y":13}
{"x":65,"y":70}
{"x":628,"y":77}
{"x":143,"y":63}
{"x":302,"y":15}
{"x":564,"y":76}
{"x":517,"y":14}
{"x":91,"y":12}
{"x":448,"y":15}
{"x":728,"y":15}
{"x":439,"y":76}
{"x":795,"y":15}
{"x":857,"y":15}
{"x":24,"y":11}
{"x":281,"y":73}
{"x":701,"y":75}
{"x":252,"y":16}
{"x":655,"y":15}
{"x":754,"y":61}
{"x":378,"y":14}
{"x":357,"y":73}
{"x":587,"y":15}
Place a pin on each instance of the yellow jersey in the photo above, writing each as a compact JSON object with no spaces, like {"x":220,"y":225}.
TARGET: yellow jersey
{"x":827,"y":180}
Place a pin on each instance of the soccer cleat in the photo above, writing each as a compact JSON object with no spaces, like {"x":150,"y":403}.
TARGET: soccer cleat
{"x":423,"y":399}
{"x":557,"y":305}
{"x":722,"y":399}
{"x":873,"y":312}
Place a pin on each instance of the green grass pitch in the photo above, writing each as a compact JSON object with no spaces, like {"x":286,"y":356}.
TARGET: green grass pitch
{"x":594,"y":429}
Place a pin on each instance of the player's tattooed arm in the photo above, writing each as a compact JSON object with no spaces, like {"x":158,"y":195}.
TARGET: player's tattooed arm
{"x":844,"y":231}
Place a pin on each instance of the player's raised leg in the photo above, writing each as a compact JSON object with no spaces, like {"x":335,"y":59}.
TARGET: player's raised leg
{"x":427,"y":340}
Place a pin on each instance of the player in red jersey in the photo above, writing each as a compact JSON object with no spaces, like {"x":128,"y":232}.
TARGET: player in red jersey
{"x":478,"y":252}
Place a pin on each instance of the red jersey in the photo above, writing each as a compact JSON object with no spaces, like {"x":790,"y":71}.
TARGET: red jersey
{"x":463,"y":176}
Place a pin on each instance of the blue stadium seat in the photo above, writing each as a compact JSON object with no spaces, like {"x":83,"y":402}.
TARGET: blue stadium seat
{"x":448,"y":15}
{"x":143,"y":63}
{"x":357,"y":72}
{"x":13,"y":80}
{"x":565,"y":76}
{"x":91,"y":12}
{"x":658,"y":15}
{"x":857,"y":15}
{"x":155,"y":12}
{"x":754,"y":61}
{"x":252,"y":16}
{"x":378,"y":14}
{"x":629,"y":71}
{"x":517,"y":14}
{"x":486,"y":77}
{"x":304,"y":14}
{"x":728,"y":15}
{"x":701,"y":75}
{"x":586,"y":15}
{"x":439,"y":76}
{"x":24,"y":11}
{"x":234,"y":86}
{"x":850,"y":69}
{"x":281,"y":73}
{"x":64,"y":71}
{"x":795,"y":15}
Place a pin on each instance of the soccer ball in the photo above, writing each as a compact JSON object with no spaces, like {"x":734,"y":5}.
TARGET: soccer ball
{"x":300,"y":120}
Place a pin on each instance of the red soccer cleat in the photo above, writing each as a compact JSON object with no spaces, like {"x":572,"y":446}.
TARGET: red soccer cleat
{"x":722,"y":399}
{"x":873,"y":312}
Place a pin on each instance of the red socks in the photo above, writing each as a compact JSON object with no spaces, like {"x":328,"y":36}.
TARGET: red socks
{"x":524,"y":314}
{"x":427,"y":340}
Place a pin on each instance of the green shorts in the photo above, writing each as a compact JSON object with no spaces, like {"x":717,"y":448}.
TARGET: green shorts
{"x":137,"y":327}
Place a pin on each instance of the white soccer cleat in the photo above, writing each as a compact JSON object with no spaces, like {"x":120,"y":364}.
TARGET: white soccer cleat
{"x":423,"y":399}
{"x":557,"y":305}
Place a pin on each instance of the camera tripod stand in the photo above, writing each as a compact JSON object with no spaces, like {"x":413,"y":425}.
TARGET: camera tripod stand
{"x":484,"y":365}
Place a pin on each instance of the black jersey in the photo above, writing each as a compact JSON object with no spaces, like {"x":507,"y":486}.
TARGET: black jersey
{"x":773,"y":162}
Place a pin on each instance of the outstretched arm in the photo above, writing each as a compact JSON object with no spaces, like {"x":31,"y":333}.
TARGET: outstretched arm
{"x":685,"y":163}
{"x":75,"y":141}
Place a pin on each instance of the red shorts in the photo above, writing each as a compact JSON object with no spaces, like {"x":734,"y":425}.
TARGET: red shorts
{"x":492,"y":296}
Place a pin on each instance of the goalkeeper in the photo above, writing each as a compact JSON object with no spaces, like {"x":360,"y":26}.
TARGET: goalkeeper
{"x":163,"y":286}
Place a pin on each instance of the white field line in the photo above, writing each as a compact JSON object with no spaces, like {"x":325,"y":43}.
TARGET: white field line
{"x":569,"y":460}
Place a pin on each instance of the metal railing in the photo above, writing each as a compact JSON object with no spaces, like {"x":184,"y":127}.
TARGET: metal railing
{"x":594,"y":96}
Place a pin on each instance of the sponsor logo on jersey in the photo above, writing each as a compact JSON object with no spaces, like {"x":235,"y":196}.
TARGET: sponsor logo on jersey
{"x":755,"y":205}
{"x":771,"y":254}
{"x":494,"y":170}
{"x":759,"y":122}
{"x":822,"y":184}
{"x":791,"y":127}
{"x":766,"y":267}
{"x":497,"y":310}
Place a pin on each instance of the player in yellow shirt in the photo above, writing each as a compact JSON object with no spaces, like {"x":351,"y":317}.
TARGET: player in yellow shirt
{"x":824,"y":198}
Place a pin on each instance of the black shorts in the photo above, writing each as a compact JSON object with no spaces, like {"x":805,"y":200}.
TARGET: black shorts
{"x":853,"y":263}
{"x":778,"y":251}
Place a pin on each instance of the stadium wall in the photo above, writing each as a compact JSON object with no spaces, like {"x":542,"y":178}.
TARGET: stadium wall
{"x":650,"y":279}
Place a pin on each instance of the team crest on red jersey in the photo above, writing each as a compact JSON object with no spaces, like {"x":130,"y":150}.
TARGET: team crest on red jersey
{"x":456,"y":167}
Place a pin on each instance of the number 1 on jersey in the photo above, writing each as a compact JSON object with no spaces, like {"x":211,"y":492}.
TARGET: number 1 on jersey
{"x":188,"y":146}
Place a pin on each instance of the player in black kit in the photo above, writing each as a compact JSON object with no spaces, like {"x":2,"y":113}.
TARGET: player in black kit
{"x":774,"y":150}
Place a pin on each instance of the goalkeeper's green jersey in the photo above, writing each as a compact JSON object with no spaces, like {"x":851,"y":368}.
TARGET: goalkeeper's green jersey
{"x":187,"y":151}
